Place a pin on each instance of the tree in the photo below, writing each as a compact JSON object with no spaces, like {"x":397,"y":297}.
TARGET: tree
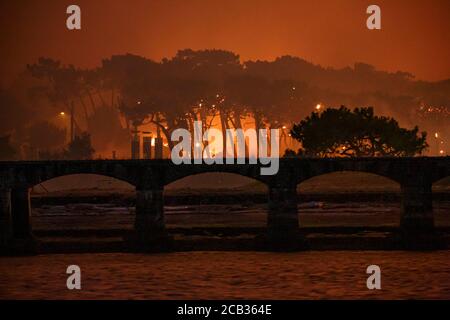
{"x":61,"y":84}
{"x":45,"y":136}
{"x":80,"y":148}
{"x":214,"y":86}
{"x":357,"y":133}
{"x":7,"y":151}
{"x":12,"y":112}
{"x":206,"y":72}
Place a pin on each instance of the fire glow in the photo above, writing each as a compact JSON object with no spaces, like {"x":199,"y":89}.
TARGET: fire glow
{"x":258,"y":147}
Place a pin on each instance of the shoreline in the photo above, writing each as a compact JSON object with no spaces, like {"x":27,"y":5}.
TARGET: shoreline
{"x":235,"y":239}
{"x":171,"y":198}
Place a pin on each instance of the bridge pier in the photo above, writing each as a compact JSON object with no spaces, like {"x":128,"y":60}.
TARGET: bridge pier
{"x":417,"y":207}
{"x":6,"y":231}
{"x":23,"y":241}
{"x":149,"y":226}
{"x":282,"y":219}
{"x":21,"y":213}
{"x":417,"y":221}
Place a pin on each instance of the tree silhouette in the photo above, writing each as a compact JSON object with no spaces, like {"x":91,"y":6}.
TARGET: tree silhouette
{"x":7,"y":151}
{"x":12,"y":112}
{"x":214,"y":86}
{"x":63,"y":85}
{"x":45,"y":136}
{"x":357,"y":133}
{"x":210,"y":68}
{"x":80,"y":148}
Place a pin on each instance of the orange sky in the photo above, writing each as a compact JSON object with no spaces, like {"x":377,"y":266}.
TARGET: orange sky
{"x":415,"y":35}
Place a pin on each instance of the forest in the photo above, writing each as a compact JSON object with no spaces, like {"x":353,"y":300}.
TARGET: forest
{"x":53,"y":109}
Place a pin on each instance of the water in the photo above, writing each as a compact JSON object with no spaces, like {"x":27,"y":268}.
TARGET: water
{"x":229,"y":275}
{"x":109,"y":216}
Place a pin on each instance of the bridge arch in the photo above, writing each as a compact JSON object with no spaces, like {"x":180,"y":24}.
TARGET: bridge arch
{"x":442,"y":184}
{"x":28,"y":220}
{"x":84,"y":181}
{"x":213,"y":199}
{"x":350,"y":198}
{"x":217,"y":180}
{"x":176,"y":173}
{"x":29,"y":174}
{"x":117,"y":175}
{"x":349,"y":180}
{"x":356,"y":167}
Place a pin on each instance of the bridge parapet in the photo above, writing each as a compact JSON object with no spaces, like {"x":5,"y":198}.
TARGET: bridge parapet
{"x":19,"y":173}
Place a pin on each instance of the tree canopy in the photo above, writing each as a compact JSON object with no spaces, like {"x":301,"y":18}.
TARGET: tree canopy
{"x":126,"y":93}
{"x":7,"y":151}
{"x":357,"y":133}
{"x":80,"y":148}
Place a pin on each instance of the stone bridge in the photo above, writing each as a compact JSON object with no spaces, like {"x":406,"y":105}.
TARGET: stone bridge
{"x":415,"y":176}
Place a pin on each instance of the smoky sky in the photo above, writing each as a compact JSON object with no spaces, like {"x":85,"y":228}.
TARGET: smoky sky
{"x":415,"y":35}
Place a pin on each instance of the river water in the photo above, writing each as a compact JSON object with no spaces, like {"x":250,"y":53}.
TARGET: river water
{"x":227,"y":275}
{"x":107,"y":216}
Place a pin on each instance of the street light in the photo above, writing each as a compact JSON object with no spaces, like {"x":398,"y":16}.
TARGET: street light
{"x":72,"y":120}
{"x":438,"y":148}
{"x":62,"y":114}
